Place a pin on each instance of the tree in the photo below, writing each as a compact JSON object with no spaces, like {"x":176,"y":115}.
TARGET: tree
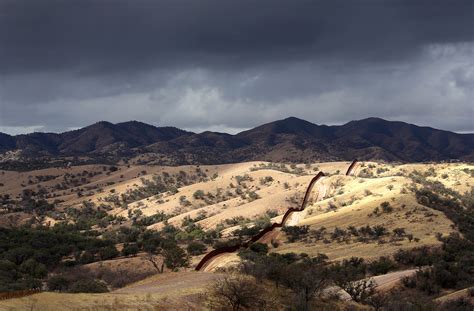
{"x":238,"y":292}
{"x":175,"y":257}
{"x":153,"y":246}
{"x":306,"y":280}
{"x":377,"y":300}
{"x":347,"y":271}
{"x":196,"y":248}
{"x":157,"y":262}
{"x":33,"y":268}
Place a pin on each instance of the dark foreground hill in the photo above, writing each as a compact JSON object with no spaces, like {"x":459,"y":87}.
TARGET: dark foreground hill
{"x":291,"y":139}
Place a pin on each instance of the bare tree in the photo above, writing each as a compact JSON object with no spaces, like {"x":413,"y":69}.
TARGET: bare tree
{"x":306,"y":280}
{"x":156,"y":261}
{"x":238,"y":293}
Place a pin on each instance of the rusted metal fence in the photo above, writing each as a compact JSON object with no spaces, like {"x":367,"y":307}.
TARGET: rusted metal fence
{"x":18,"y":293}
{"x":234,"y":248}
{"x":351,"y":167}
{"x":231,"y":249}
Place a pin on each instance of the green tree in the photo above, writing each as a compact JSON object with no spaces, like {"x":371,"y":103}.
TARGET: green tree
{"x":175,"y":257}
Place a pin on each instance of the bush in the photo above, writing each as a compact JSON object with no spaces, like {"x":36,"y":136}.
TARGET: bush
{"x":266,"y":180}
{"x":58,"y":283}
{"x":108,"y":252}
{"x":199,"y":194}
{"x":87,"y":257}
{"x":253,"y":196}
{"x":33,"y":268}
{"x":130,"y":250}
{"x":295,"y":232}
{"x":259,"y":248}
{"x":381,"y":266}
{"x":254,"y":252}
{"x":88,"y":286}
{"x":418,"y":256}
{"x":461,"y":304}
{"x":386,"y":208}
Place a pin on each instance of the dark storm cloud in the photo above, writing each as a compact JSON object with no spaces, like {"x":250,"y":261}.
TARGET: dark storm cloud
{"x":229,"y":65}
{"x":122,"y":35}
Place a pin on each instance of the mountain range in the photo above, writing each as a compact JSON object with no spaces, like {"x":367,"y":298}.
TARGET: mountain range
{"x":291,"y":139}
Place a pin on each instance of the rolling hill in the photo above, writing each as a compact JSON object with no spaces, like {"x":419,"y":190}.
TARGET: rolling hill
{"x":291,"y":139}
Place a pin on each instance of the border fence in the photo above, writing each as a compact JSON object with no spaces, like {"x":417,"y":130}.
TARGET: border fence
{"x":230,"y":249}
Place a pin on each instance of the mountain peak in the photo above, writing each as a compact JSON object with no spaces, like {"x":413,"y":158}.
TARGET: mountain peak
{"x":289,"y":139}
{"x":291,"y":125}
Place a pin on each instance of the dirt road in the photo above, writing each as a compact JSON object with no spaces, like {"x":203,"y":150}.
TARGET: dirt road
{"x":389,"y":280}
{"x":172,"y":284}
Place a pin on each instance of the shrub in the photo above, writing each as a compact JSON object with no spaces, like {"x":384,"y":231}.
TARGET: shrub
{"x":418,"y":256}
{"x":386,"y":208}
{"x":88,"y":286}
{"x":295,"y":232}
{"x":460,"y":304}
{"x":108,"y":252}
{"x":399,"y":232}
{"x":227,"y":243}
{"x":382,"y":266}
{"x":58,"y":283}
{"x":379,"y":230}
{"x":266,"y":180}
{"x":199,"y":194}
{"x":130,"y":250}
{"x":271,"y":213}
{"x":253,"y":196}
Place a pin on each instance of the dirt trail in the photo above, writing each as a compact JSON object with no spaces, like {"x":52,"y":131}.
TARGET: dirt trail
{"x":170,"y":284}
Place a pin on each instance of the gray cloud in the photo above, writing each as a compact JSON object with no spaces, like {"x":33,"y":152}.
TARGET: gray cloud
{"x":230,"y":65}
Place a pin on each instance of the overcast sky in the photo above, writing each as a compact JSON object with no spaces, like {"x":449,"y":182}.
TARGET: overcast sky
{"x":231,"y":65}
